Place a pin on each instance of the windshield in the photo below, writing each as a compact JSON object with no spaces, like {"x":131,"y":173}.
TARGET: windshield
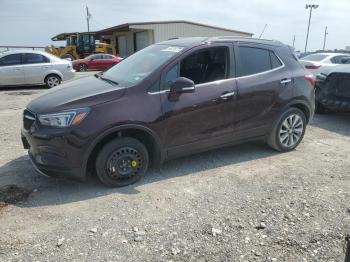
{"x":137,"y":67}
{"x":314,"y":58}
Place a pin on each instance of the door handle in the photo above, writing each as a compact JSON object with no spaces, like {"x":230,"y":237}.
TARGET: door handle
{"x":17,"y":69}
{"x":286,"y":81}
{"x":227,"y":95}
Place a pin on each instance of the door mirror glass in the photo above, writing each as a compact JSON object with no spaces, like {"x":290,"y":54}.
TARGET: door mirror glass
{"x":182,"y":85}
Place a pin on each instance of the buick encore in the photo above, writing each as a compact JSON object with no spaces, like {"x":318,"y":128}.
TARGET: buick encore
{"x":168,"y":100}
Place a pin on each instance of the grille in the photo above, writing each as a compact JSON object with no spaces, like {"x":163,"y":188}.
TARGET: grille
{"x":28,"y":119}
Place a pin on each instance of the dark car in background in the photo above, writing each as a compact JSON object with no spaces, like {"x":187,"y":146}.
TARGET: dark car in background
{"x":96,"y":62}
{"x":333,"y":90}
{"x":168,"y":100}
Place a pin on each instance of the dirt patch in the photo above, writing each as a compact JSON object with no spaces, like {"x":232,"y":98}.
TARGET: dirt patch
{"x":12,"y":194}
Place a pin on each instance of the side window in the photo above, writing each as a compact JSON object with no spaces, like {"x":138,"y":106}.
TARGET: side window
{"x":275,"y":62}
{"x":14,"y":59}
{"x":107,"y":56}
{"x":204,"y":66}
{"x":30,"y":58}
{"x":170,"y":77}
{"x":336,"y":59}
{"x":98,"y":57}
{"x":253,"y":60}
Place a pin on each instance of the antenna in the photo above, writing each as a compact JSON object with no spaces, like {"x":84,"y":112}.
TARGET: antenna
{"x":293,"y":41}
{"x":263,"y":30}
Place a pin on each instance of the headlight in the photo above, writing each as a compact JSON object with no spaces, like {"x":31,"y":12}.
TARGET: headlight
{"x":64,"y":119}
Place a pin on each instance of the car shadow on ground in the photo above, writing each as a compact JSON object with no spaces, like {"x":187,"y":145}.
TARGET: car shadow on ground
{"x":22,"y":88}
{"x":49,"y":191}
{"x":334,"y":122}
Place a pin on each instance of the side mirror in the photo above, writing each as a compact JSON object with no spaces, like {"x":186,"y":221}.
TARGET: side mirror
{"x":91,"y":59}
{"x":181,"y":85}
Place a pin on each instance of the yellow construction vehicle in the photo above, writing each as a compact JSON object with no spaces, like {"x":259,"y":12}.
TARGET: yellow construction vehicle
{"x":79,"y":45}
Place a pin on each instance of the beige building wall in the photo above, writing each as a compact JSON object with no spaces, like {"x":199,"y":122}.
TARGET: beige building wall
{"x":165,"y":31}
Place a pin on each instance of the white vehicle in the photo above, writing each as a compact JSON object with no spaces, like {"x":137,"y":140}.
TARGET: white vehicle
{"x":317,"y":63}
{"x":33,"y":68}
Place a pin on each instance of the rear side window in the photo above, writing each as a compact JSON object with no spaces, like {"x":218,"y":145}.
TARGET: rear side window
{"x":315,"y":57}
{"x":256,"y":60}
{"x":14,"y":59}
{"x":30,"y":58}
{"x":340,"y":59}
{"x":275,"y":62}
{"x":107,"y":56}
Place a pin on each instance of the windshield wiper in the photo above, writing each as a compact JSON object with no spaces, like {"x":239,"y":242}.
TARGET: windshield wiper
{"x":109,"y":80}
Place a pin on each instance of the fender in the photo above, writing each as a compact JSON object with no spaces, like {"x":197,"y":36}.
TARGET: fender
{"x":120,"y":128}
{"x":310,"y":108}
{"x":52,"y":72}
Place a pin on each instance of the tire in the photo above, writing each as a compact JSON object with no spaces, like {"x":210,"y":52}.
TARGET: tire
{"x":320,"y":109}
{"x":52,"y":81}
{"x":82,"y":68}
{"x":283,"y":138}
{"x":121,"y":162}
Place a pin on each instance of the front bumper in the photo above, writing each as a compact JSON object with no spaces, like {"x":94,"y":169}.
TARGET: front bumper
{"x":54,"y":152}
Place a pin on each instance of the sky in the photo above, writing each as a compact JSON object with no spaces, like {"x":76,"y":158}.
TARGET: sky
{"x":34,"y":22}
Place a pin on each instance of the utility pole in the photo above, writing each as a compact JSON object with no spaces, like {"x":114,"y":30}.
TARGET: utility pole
{"x":325,"y":38}
{"x":88,"y":17}
{"x":308,"y":27}
{"x":294,"y":41}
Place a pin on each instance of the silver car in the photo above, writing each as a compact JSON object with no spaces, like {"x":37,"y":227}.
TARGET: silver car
{"x":319,"y":62}
{"x":33,"y":68}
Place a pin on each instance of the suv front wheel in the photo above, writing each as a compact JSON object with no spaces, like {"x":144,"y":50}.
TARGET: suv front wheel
{"x":122,"y":162}
{"x":288,"y":130}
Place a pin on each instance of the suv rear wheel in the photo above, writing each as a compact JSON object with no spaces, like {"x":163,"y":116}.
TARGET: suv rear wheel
{"x":288,"y":131}
{"x":122,"y":162}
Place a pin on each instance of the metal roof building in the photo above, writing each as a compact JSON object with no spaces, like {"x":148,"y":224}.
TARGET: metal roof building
{"x":131,"y":37}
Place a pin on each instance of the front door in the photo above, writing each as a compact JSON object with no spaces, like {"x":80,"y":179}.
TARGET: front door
{"x":11,"y":70}
{"x":263,"y":80}
{"x":198,"y":120}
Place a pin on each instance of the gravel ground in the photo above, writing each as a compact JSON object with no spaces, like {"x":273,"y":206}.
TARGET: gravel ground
{"x":245,"y":203}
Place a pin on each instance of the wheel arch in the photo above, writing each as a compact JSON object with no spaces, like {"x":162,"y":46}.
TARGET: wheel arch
{"x":303,"y":106}
{"x":139,"y":132}
{"x":56,"y":73}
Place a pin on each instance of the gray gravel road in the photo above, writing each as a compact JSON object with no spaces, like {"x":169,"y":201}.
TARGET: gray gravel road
{"x":245,"y":203}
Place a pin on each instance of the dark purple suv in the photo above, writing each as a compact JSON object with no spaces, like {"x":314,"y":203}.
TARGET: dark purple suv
{"x":170,"y":99}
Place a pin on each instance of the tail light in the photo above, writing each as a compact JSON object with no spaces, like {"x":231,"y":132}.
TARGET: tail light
{"x":311,"y":79}
{"x":312,"y":66}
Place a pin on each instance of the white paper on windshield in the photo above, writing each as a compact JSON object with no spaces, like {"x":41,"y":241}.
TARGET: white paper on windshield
{"x":175,"y":49}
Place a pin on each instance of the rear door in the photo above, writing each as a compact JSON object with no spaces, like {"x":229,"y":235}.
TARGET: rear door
{"x":97,"y":62}
{"x":34,"y":66}
{"x":108,"y":61}
{"x":11,"y":70}
{"x":263,"y":83}
{"x":198,"y":120}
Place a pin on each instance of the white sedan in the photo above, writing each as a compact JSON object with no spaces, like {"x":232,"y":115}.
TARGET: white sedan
{"x":33,"y":68}
{"x":319,"y":62}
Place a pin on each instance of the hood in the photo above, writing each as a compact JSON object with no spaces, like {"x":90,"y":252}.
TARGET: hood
{"x":84,"y":92}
